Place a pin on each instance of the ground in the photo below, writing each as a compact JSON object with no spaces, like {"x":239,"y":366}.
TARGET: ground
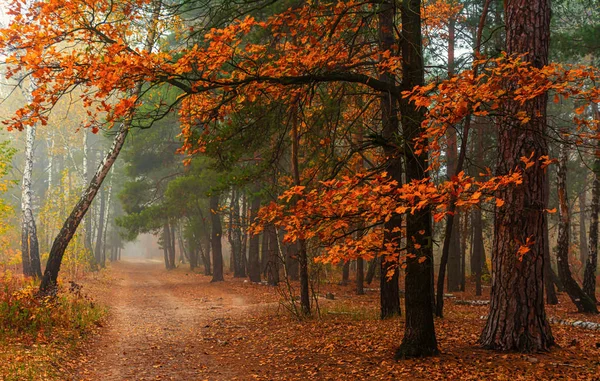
{"x":176,"y":325}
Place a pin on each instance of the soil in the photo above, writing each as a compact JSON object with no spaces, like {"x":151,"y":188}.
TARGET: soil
{"x":157,"y":323}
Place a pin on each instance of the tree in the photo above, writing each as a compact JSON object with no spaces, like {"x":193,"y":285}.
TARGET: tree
{"x":29,"y":241}
{"x":583,"y":302}
{"x":517,"y":318}
{"x":419,"y":332}
{"x":215,"y":238}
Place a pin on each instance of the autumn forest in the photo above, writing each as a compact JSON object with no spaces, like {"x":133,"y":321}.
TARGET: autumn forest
{"x":299,"y":190}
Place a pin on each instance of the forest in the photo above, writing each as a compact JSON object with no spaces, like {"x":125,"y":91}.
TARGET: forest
{"x":299,"y":189}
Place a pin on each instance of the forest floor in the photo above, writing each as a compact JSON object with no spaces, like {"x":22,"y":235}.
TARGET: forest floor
{"x":176,"y":325}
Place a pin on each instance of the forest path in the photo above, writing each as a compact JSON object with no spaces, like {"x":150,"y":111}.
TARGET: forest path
{"x":155,"y":326}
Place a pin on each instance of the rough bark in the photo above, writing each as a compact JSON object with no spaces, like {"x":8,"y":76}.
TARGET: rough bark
{"x":419,"y":331}
{"x":517,"y":319}
{"x":215,"y":239}
{"x":578,"y":297}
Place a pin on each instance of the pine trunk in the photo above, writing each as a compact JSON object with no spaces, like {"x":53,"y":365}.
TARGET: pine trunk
{"x":517,"y":319}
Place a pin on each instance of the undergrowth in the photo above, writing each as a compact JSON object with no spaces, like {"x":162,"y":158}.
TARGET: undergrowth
{"x":36,"y":334}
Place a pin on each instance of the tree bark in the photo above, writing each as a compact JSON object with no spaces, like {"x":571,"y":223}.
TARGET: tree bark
{"x":29,"y":242}
{"x":578,"y":297}
{"x":360,"y":276}
{"x":591,"y":265}
{"x":215,"y":239}
{"x":517,"y":318}
{"x":419,"y":331}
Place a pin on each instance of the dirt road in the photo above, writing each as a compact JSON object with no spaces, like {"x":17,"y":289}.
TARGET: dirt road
{"x":155,"y":326}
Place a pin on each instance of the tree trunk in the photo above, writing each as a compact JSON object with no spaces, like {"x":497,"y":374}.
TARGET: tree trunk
{"x":373,"y":265}
{"x":302,"y":252}
{"x":166,"y":243}
{"x":107,"y":219}
{"x":70,"y":226}
{"x":239,"y":269}
{"x":29,"y":241}
{"x":100,"y":230}
{"x":453,"y":250}
{"x":466,"y":235}
{"x":215,"y":239}
{"x":87,"y":226}
{"x":172,"y":246}
{"x":578,"y":297}
{"x":478,"y":249}
{"x":517,"y":318}
{"x":591,"y":265}
{"x":345,"y":272}
{"x":360,"y":276}
{"x":583,"y":242}
{"x":253,"y":249}
{"x":419,"y":331}
{"x":273,"y":266}
{"x":291,"y":261}
{"x":549,"y":275}
{"x":389,"y":288}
